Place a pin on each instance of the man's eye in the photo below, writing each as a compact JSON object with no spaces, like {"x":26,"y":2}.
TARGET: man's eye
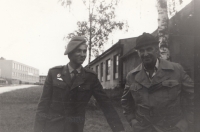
{"x":149,"y":49}
{"x":141,"y":50}
{"x":78,"y":51}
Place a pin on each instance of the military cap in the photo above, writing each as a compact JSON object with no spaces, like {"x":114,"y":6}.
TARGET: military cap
{"x":145,"y":39}
{"x":74,"y":43}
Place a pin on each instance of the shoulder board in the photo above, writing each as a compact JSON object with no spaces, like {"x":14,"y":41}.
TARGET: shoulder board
{"x":57,"y":67}
{"x":90,"y":71}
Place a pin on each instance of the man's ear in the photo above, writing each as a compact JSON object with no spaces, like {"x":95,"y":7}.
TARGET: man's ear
{"x":138,"y":53}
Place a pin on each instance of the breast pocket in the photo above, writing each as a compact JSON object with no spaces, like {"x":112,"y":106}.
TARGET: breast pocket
{"x":59,"y":88}
{"x":84,"y":87}
{"x":84,"y":92}
{"x":136,"y":91}
{"x":172,"y":87}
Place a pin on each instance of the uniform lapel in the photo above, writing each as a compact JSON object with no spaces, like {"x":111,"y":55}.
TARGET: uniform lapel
{"x":163,"y":72}
{"x":141,"y":77}
{"x":66,"y":75}
{"x":80,"y":79}
{"x":160,"y":76}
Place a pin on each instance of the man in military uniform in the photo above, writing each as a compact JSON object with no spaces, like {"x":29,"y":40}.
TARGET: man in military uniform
{"x":158,"y":95}
{"x":66,"y":92}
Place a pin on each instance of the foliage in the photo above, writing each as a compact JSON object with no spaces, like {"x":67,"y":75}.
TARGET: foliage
{"x":101,"y":23}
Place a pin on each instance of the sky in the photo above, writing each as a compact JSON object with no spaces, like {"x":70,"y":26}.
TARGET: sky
{"x":32,"y":31}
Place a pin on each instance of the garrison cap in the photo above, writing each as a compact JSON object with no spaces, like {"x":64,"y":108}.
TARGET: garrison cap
{"x":74,"y":43}
{"x":146,"y":39}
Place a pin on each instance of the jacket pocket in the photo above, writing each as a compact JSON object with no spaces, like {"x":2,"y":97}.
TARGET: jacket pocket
{"x":84,"y":87}
{"x":59,"y":84}
{"x":172,"y":87}
{"x":59,"y":88}
{"x":136,"y":91}
{"x":135,"y":87}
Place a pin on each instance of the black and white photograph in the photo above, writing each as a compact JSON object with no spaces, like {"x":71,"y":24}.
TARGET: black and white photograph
{"x":100,"y":66}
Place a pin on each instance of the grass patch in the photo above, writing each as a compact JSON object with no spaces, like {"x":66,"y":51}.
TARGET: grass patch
{"x":17,"y":111}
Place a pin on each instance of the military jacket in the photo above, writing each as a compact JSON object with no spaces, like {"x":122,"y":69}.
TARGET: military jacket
{"x":62,"y":104}
{"x":164,"y":104}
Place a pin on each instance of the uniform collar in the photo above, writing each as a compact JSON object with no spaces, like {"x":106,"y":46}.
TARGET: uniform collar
{"x":71,"y":69}
{"x":164,"y":64}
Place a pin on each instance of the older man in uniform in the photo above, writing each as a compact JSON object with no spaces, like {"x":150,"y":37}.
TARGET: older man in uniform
{"x":66,"y":92}
{"x":158,"y":95}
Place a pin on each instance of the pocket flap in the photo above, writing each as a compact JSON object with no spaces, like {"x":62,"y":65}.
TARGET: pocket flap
{"x":135,"y":86}
{"x":59,"y":84}
{"x":170,"y":83}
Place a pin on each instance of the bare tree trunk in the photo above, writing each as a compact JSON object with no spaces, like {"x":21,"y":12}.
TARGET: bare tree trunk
{"x":90,"y":36}
{"x":163,"y":29}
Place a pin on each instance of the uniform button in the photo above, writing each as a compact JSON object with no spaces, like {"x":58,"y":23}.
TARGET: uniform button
{"x":79,"y":86}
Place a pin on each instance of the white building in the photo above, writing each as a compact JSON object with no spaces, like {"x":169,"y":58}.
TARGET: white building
{"x":18,"y":72}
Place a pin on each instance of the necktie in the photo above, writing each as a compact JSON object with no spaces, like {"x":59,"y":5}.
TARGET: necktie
{"x":75,"y":74}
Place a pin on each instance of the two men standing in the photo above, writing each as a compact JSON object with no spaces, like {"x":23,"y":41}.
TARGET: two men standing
{"x":158,"y":95}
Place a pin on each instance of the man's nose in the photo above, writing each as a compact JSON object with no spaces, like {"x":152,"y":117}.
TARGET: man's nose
{"x":83,"y":53}
{"x":145,"y":52}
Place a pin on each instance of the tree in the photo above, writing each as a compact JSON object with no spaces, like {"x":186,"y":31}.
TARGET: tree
{"x":100,"y":25}
{"x":163,"y":29}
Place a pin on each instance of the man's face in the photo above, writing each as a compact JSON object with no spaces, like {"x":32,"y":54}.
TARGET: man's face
{"x":148,"y":54}
{"x":79,"y":54}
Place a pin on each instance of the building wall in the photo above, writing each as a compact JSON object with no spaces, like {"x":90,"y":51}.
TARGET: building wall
{"x":18,"y":72}
{"x":6,"y":66}
{"x":112,"y":83}
{"x":181,"y":39}
{"x":129,"y":63}
{"x":24,"y":73}
{"x":42,"y":79}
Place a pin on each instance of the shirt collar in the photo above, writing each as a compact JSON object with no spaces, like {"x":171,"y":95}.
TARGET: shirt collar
{"x":71,"y":69}
{"x":157,"y":64}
